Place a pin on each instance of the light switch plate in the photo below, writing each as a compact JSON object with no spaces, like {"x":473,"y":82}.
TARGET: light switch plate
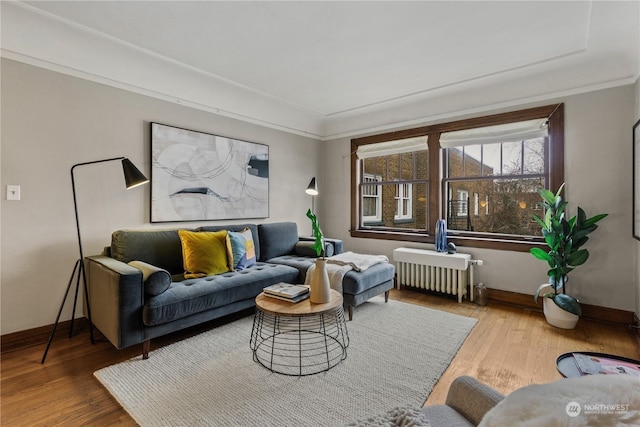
{"x":13,"y":192}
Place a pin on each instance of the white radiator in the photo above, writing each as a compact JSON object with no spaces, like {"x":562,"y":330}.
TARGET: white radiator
{"x":435,"y":271}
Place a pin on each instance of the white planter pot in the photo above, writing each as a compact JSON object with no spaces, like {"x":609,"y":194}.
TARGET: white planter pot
{"x":558,"y":317}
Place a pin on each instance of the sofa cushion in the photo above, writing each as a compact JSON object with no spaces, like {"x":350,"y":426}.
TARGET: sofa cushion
{"x":301,"y":263}
{"x":204,"y":253}
{"x":242,"y":249}
{"x":156,"y":280}
{"x":192,"y":296}
{"x":355,"y":282}
{"x":161,"y":248}
{"x":277,"y":239}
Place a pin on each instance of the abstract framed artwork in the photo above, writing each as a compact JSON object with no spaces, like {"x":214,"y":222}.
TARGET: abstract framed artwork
{"x":636,"y":180}
{"x":197,"y":176}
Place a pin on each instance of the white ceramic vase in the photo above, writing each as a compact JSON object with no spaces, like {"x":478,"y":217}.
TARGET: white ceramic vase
{"x":320,"y":288}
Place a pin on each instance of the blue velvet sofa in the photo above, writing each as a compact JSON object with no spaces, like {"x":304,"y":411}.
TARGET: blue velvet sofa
{"x":129,"y":310}
{"x":138,"y":291}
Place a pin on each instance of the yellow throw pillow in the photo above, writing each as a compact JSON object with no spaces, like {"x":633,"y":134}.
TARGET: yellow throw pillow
{"x":204,"y":253}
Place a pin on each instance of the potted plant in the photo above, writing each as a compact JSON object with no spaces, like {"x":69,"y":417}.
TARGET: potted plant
{"x":319,"y":286}
{"x":564,"y":239}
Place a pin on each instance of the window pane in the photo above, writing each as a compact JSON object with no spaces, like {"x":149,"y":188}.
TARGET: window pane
{"x":454,"y":162}
{"x":511,"y":158}
{"x":534,"y":156}
{"x":472,"y":160}
{"x":401,"y":167}
{"x":422,"y":165}
{"x":375,"y":166}
{"x":491,"y":160}
{"x":505,"y":206}
{"x":400,"y":206}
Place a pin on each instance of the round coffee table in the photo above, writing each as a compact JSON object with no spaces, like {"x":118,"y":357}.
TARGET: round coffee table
{"x":300,"y":338}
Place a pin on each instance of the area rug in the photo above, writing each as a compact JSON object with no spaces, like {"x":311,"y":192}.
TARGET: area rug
{"x":397,"y":353}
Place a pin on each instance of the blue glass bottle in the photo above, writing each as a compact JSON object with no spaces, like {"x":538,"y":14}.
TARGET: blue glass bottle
{"x":441,"y":235}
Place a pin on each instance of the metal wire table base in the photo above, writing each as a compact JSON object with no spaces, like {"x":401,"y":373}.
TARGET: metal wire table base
{"x":299,"y":345}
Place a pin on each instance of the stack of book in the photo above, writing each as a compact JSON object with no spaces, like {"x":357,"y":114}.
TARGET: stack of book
{"x":287,"y":292}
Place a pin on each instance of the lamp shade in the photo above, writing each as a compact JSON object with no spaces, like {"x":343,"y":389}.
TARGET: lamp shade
{"x":132,"y":175}
{"x":312,"y":189}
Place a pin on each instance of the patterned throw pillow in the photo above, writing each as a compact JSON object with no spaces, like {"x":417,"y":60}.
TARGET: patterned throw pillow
{"x":204,"y":253}
{"x":242,"y":249}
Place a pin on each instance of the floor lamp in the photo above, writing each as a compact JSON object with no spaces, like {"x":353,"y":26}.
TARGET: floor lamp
{"x":312,"y":190}
{"x":133,"y":178}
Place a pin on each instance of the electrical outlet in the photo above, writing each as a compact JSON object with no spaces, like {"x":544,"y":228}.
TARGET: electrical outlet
{"x":13,"y":192}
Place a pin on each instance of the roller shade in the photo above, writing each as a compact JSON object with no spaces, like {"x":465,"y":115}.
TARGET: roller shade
{"x":509,"y":132}
{"x":387,"y":148}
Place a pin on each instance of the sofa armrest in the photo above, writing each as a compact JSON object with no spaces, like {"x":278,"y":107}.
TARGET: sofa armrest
{"x":471,"y":398}
{"x":116,"y":295}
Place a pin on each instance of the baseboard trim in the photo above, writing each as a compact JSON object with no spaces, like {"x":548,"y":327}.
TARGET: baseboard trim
{"x":594,"y":312}
{"x":40,"y":335}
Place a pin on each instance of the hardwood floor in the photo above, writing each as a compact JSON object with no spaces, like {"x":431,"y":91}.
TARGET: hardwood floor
{"x":509,"y":347}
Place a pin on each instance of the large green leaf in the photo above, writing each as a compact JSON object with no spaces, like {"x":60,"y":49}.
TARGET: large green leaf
{"x":547,"y":196}
{"x":317,"y":232}
{"x":594,"y":219}
{"x":578,"y":258}
{"x":540,"y":254}
{"x":568,"y":303}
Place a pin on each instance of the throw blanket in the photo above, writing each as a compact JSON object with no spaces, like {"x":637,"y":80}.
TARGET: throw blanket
{"x":358,"y":262}
{"x":593,"y":400}
{"x":339,"y":265}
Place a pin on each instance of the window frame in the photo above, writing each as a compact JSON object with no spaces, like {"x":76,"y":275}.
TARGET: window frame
{"x":435,"y":190}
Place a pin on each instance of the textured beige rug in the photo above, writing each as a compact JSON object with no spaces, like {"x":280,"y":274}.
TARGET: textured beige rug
{"x":397,"y":353}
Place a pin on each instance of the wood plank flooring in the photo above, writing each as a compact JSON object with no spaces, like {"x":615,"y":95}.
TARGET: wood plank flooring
{"x":509,"y":347}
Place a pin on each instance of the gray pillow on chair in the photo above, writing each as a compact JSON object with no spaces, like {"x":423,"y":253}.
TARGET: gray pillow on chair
{"x":156,"y":280}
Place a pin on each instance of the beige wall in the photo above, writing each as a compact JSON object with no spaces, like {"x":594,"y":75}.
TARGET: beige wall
{"x":51,"y":121}
{"x":637,"y":242}
{"x":598,"y":145}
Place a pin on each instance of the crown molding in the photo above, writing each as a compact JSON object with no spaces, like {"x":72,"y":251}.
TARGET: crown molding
{"x":38,"y":38}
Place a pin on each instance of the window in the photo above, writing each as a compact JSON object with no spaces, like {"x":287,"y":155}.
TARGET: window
{"x":395,"y":175}
{"x":403,"y":202}
{"x":428,"y":173}
{"x":371,"y":199}
{"x":508,"y":174}
{"x":476,"y":204}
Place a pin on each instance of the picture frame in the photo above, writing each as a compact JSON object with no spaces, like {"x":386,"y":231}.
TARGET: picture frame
{"x":636,"y":180}
{"x":198,"y":176}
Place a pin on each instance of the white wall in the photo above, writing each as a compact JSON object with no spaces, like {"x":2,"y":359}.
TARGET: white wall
{"x":597,"y":153}
{"x":51,"y":121}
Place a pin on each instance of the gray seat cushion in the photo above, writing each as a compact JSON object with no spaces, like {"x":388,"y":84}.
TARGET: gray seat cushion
{"x":197,"y":295}
{"x":356,"y":282}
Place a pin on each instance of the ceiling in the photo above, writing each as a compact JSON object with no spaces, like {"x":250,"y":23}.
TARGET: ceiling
{"x":330,"y":69}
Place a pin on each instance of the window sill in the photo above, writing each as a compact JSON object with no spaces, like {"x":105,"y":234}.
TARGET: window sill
{"x":503,"y":244}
